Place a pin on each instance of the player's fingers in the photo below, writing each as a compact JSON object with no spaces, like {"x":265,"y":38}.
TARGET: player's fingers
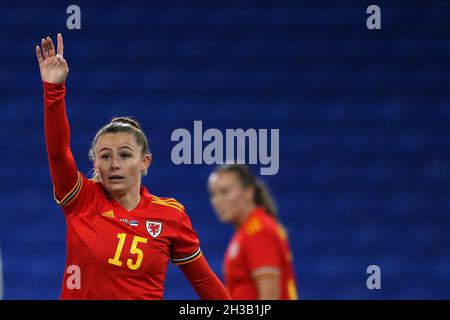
{"x":60,"y":59}
{"x":60,"y":44}
{"x":44,"y":48}
{"x":39,"y":55}
{"x":51,"y":47}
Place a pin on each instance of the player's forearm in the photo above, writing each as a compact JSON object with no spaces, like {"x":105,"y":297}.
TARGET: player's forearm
{"x":204,"y":281}
{"x":211,"y":288}
{"x":268,"y":287}
{"x":57,"y":138}
{"x":57,"y":132}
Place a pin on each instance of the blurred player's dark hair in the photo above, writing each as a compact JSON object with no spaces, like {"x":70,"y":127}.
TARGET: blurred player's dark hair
{"x":262,"y":195}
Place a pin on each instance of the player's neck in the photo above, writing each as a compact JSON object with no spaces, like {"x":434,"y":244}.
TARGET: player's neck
{"x":249,"y":209}
{"x":128,"y":201}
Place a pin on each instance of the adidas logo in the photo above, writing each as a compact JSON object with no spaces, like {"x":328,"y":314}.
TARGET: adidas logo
{"x":109,"y":214}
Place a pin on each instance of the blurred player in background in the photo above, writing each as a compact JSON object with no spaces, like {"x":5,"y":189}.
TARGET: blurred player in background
{"x":119,"y":236}
{"x":258,"y":260}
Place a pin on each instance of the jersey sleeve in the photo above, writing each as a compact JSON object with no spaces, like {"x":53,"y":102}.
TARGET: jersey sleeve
{"x":78,"y":197}
{"x":69,"y":185}
{"x":186,"y":246}
{"x":204,"y":280}
{"x":262,"y":253}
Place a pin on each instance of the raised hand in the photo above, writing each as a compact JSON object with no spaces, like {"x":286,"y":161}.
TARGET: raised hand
{"x":53,"y":67}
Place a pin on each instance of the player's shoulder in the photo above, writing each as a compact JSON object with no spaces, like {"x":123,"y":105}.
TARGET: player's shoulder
{"x":260,"y":222}
{"x":94,"y":186}
{"x":89,"y":181}
{"x":83,"y":194}
{"x":96,"y":190}
{"x":167,"y":203}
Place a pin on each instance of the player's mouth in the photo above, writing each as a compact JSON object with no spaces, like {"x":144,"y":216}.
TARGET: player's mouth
{"x":115,"y":179}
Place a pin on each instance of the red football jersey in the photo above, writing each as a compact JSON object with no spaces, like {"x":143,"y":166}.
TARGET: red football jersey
{"x":121,"y":254}
{"x":259,"y":246}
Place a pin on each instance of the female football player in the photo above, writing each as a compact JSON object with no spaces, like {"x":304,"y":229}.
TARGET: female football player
{"x":120,"y":237}
{"x":258,"y":261}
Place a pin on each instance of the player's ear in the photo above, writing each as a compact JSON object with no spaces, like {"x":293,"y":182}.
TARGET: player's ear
{"x":145,"y":164}
{"x":249,"y":193}
{"x":95,"y":167}
{"x":146,"y":161}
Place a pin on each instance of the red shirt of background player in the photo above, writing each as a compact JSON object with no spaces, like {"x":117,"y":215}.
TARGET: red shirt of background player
{"x":258,"y":263}
{"x":258,"y":247}
{"x":112,"y":252}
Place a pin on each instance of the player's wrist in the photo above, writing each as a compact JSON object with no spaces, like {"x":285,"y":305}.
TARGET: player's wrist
{"x":50,"y":86}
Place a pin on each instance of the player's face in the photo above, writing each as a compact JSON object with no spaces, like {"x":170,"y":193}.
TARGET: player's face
{"x":228,"y":196}
{"x":119,"y":162}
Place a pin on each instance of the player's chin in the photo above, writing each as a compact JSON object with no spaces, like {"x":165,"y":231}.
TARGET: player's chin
{"x":224,"y":218}
{"x":116,"y":186}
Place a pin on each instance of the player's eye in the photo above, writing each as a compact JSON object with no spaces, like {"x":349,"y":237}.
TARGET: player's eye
{"x":104,"y":156}
{"x":125,"y":155}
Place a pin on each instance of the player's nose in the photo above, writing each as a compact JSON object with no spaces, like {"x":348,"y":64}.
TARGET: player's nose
{"x":115,"y":163}
{"x":217,"y":203}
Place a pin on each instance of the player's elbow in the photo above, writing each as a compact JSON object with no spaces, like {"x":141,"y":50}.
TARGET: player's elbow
{"x":57,"y":154}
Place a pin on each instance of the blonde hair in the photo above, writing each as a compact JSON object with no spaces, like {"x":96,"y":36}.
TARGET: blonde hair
{"x":116,"y":125}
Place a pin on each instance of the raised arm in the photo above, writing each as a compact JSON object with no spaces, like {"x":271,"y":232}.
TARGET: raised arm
{"x":54,"y":69}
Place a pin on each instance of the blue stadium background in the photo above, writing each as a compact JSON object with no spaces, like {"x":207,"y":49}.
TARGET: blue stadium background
{"x":363,"y":118}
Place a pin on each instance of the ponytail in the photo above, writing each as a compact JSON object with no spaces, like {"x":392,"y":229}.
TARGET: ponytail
{"x":263,"y":199}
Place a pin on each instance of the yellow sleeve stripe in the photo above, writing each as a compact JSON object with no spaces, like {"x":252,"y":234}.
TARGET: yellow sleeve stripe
{"x":180,"y":261}
{"x":168,"y":200}
{"x":173,"y":202}
{"x":249,"y":228}
{"x":170,"y":203}
{"x":253,"y":226}
{"x":292,"y":290}
{"x":71,"y":195}
{"x":282,"y":232}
